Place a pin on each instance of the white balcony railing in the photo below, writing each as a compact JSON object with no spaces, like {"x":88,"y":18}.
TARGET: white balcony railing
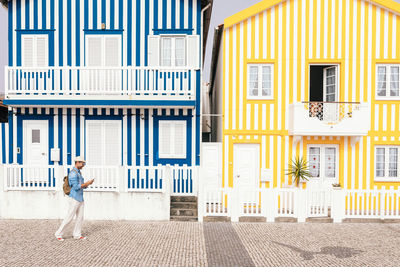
{"x":117,"y":82}
{"x":22,"y":177}
{"x":329,"y":118}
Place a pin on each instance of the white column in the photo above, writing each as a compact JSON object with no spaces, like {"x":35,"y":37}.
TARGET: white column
{"x":338,"y":204}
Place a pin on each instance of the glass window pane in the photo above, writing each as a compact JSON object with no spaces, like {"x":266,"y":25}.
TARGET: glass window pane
{"x":314,"y":161}
{"x":35,"y":136}
{"x":266,"y":80}
{"x":381,"y":81}
{"x":253,"y":81}
{"x":330,"y":162}
{"x":380,"y":162}
{"x":393,"y":161}
{"x":180,"y":52}
{"x":166,"y":52}
{"x":394,"y":81}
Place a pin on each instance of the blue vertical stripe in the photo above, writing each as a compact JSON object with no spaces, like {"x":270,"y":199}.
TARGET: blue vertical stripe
{"x":94,"y":12}
{"x":27,"y":14}
{"x":182,"y":15}
{"x":86,"y":14}
{"x":52,"y":15}
{"x":69,"y":131}
{"x":44,"y":14}
{"x":173,"y":14}
{"x":77,"y":32}
{"x":51,"y":133}
{"x":146,"y":137}
{"x":60,"y":33}
{"x":155,"y":17}
{"x":19,"y":139}
{"x":164,"y":12}
{"x":18,"y":35}
{"x":35,"y":14}
{"x":103,"y":11}
{"x":112,"y":14}
{"x":10,"y":137}
{"x":10,"y":35}
{"x":129,"y":135}
{"x":190,"y":24}
{"x":121,"y":14}
{"x":78,"y":131}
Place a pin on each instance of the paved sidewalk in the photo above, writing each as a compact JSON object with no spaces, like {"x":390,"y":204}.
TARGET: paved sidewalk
{"x":124,"y":243}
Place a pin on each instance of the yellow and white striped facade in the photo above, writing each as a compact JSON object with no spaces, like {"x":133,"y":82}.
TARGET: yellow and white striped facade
{"x":291,"y":35}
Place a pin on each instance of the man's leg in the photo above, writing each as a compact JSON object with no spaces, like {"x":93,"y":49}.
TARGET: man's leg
{"x":73,"y":206}
{"x":79,"y":220}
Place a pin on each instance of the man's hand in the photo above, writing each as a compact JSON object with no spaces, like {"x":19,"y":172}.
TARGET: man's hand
{"x":85,"y":185}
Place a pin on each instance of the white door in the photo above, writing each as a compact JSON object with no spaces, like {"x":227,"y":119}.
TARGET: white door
{"x":211,"y":162}
{"x":330,"y":94}
{"x":246,"y":168}
{"x":323,"y":163}
{"x":36,"y":144}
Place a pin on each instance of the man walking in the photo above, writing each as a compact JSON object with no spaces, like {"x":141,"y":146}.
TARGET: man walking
{"x":75,"y":200}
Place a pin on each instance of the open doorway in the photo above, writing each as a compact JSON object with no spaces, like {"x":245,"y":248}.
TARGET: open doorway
{"x":323,"y":91}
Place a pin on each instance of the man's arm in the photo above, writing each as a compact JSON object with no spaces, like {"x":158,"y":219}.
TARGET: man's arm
{"x":74,"y":181}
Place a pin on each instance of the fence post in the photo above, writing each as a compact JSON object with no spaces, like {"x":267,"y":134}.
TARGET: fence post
{"x":383,"y":195}
{"x":234,"y":204}
{"x":200,"y":195}
{"x":3,"y":184}
{"x":59,"y":175}
{"x":195,"y":179}
{"x":301,"y":204}
{"x":338,"y":204}
{"x":270,"y":204}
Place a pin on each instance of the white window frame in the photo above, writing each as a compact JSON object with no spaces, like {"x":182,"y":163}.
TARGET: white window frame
{"x":173,"y":49}
{"x":34,"y":36}
{"x":173,"y":154}
{"x":260,"y":66}
{"x":336,"y":82}
{"x":386,"y":177}
{"x":322,"y":160}
{"x":103,"y":139}
{"x":103,"y":44}
{"x":387,"y":96}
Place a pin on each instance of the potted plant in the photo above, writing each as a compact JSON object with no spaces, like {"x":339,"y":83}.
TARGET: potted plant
{"x":298,"y":169}
{"x":336,"y":186}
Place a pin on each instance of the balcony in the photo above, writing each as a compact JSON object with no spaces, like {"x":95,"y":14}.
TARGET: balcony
{"x":329,"y":119}
{"x":88,"y":83}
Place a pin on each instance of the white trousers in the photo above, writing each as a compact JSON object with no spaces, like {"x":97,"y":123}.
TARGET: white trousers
{"x":75,"y":208}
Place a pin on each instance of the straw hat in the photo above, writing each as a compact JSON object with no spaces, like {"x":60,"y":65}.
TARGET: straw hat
{"x":79,"y":158}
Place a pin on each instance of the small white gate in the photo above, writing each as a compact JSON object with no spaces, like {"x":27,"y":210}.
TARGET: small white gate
{"x":318,"y":202}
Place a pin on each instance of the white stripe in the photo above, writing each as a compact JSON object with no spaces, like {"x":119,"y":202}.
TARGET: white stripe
{"x":354,"y":50}
{"x":31,"y":7}
{"x":73,"y":35}
{"x":64,"y":136}
{"x":65,"y":37}
{"x":14,"y":145}
{"x":48,"y":14}
{"x":125,"y":137}
{"x":14,"y":35}
{"x":318,"y":21}
{"x":226,"y":90}
{"x":384,"y":124}
{"x":376,"y":117}
{"x":142,"y":141}
{"x":177,"y":12}
{"x":286,"y":156}
{"x":280,"y":57}
{"x":241,"y":79}
{"x":226,"y":161}
{"x":311,"y":30}
{"x":7,"y":143}
{"x":326,"y":29}
{"x":271,"y":157}
{"x":378,"y":31}
{"x":160,"y":16}
{"x":56,"y":130}
{"x":125,"y":33}
{"x":360,"y":166}
{"x":340,"y":32}
{"x":82,"y":36}
{"x":394,"y":113}
{"x":278,"y":160}
{"x":248,"y":38}
{"x":234,"y":64}
{"x":346,"y":91}
{"x":272,"y":117}
{"x":369,"y":52}
{"x":169,"y":14}
{"x":108,"y":17}
{"x":393,"y":37}
{"x":332,"y":29}
{"x":90,"y":14}
{"x":345,"y":180}
{"x":82,"y":131}
{"x":133,"y":137}
{"x":186,"y":15}
{"x":362,"y":51}
{"x":287,"y":58}
{"x":248,"y":113}
{"x":133,"y":43}
{"x":99,"y":9}
{"x":22,"y":16}
{"x":273,"y":32}
{"x":303,"y":49}
{"x":386,"y":37}
{"x":257,"y":37}
{"x":353,"y":166}
{"x":73,"y":134}
{"x":116,"y":15}
{"x":151,"y":137}
{"x":264,"y":151}
{"x":195,"y":16}
{"x":295,"y":52}
{"x":255,"y":117}
{"x":142,"y":34}
{"x":264,"y":115}
{"x":264,"y":35}
{"x":194,"y":152}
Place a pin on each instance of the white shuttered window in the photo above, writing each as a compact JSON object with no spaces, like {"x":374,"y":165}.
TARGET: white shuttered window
{"x":388,"y":81}
{"x":103,"y":50}
{"x":387,"y":163}
{"x":172,"y":139}
{"x":260,"y":81}
{"x":103,"y":142}
{"x":35,"y":51}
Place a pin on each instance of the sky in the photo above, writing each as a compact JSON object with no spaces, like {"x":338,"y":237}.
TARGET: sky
{"x":221,"y":10}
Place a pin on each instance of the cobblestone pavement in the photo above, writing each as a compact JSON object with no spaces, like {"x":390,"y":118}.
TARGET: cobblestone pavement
{"x":124,"y":243}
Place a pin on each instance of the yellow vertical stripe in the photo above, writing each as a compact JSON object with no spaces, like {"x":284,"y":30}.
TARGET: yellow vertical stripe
{"x":275,"y":162}
{"x":351,"y":59}
{"x":290,"y":156}
{"x":349,"y":155}
{"x":282,"y":159}
{"x":276,"y":72}
{"x":358,"y":65}
{"x":329,"y":29}
{"x":341,"y":162}
{"x":337,"y":12}
{"x":244,"y":107}
{"x":315,"y":3}
{"x":397,"y":118}
{"x":230,"y":168}
{"x":389,"y":117}
{"x":269,"y":33}
{"x":382,"y":33}
{"x":366,"y":47}
{"x":291,"y":62}
{"x":299,"y":55}
{"x":237,"y":76}
{"x":380,"y":117}
{"x":322,"y":29}
{"x":223,"y":81}
{"x":343,"y":49}
{"x":284,"y":63}
{"x":357,"y":166}
{"x":364,"y":175}
{"x":267,"y":149}
{"x":307,"y":41}
{"x":253,"y":37}
{"x":230,"y":73}
{"x":261,"y":34}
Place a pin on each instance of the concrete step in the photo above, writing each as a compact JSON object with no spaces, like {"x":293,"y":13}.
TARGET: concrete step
{"x":183,"y":212}
{"x":183,"y":199}
{"x":252,"y":219}
{"x":319,"y":220}
{"x":216,"y":219}
{"x":183,"y":205}
{"x":184,"y":218}
{"x":286,"y":219}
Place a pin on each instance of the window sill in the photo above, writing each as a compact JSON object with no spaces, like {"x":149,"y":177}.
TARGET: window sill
{"x":259,"y":98}
{"x":390,"y":98}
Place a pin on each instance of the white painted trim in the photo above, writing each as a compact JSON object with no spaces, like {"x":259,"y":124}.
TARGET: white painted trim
{"x":260,"y":66}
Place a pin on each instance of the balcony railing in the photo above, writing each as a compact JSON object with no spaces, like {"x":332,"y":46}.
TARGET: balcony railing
{"x":329,"y":118}
{"x":117,"y":82}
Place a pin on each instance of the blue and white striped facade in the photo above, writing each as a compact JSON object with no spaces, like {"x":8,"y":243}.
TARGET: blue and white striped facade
{"x":67,"y":23}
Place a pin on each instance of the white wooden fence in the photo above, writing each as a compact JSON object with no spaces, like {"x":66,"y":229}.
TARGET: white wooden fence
{"x":183,"y":180}
{"x":19,"y":177}
{"x":146,"y":178}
